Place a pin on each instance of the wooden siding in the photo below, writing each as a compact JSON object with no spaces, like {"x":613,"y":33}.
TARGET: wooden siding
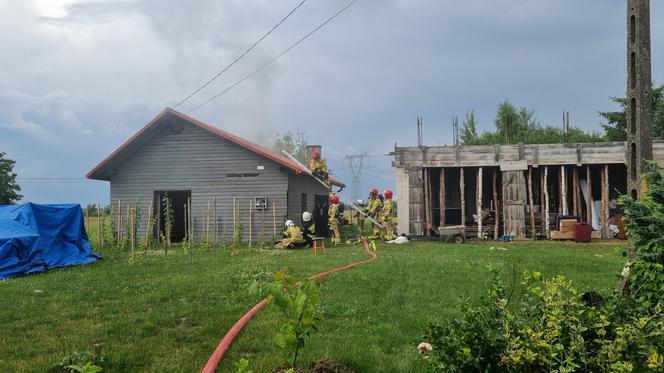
{"x":197,"y":160}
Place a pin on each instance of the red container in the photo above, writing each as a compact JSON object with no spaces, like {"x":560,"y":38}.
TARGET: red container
{"x":582,"y":232}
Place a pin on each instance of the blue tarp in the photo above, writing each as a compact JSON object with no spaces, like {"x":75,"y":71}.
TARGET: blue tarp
{"x":34,"y":238}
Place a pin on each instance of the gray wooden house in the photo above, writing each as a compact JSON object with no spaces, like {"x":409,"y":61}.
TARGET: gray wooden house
{"x":523,"y":188}
{"x":189,"y":160}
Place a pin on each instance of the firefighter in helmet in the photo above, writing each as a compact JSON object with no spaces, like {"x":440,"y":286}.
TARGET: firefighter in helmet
{"x":292,"y":237}
{"x":333,"y":216}
{"x":318,"y":167}
{"x":385,"y":217}
{"x":374,"y":206}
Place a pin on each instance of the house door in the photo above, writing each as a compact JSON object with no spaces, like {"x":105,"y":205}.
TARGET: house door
{"x":321,"y":205}
{"x":178,"y":199}
{"x":514,"y":203}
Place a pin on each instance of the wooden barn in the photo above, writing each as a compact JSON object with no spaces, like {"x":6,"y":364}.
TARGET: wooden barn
{"x":197,"y":164}
{"x":517,"y":190}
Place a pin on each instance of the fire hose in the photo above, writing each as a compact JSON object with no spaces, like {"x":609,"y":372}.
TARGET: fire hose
{"x":222,"y":347}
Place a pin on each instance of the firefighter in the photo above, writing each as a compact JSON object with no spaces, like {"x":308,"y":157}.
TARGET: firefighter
{"x":373,"y":209}
{"x":360,"y":217}
{"x":307,"y":227}
{"x":318,"y":167}
{"x":385,"y":217}
{"x":292,"y":237}
{"x":333,"y":216}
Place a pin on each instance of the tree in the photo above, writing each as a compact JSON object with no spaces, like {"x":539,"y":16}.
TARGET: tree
{"x":615,"y":128}
{"x":8,"y":187}
{"x":468,"y":133}
{"x":520,"y":125}
{"x":297,"y":148}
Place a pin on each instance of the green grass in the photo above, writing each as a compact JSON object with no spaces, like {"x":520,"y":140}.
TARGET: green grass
{"x":167,"y":314}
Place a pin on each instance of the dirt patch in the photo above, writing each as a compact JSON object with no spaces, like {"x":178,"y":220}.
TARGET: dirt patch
{"x":320,"y":366}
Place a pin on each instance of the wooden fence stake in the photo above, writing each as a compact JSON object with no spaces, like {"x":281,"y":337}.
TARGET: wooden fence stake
{"x":532,"y":203}
{"x":99,"y":226}
{"x":103,"y":223}
{"x":274,"y":219}
{"x":119,"y":222}
{"x":215,"y":221}
{"x":575,"y":190}
{"x":148,"y":233}
{"x":250,"y":223}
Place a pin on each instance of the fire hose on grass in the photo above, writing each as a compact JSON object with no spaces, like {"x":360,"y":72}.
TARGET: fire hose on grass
{"x":222,"y":347}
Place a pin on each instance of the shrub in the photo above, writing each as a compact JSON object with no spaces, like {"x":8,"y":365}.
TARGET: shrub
{"x":545,"y":325}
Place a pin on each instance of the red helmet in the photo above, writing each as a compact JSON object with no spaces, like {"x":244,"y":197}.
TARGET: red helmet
{"x":315,"y":154}
{"x":387,"y":194}
{"x":334,"y":199}
{"x":373,"y":191}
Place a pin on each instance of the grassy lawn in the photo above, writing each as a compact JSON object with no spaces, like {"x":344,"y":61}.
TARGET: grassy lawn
{"x":167,"y":314}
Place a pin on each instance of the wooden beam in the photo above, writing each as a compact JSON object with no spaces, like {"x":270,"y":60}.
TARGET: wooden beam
{"x":605,"y":203}
{"x":462,"y":186}
{"x":532,"y":203}
{"x":546,"y":200}
{"x":541,"y":210}
{"x":478,"y":204}
{"x":563,"y":191}
{"x":427,"y":200}
{"x":496,"y":208}
{"x":589,"y":195}
{"x":575,"y":190}
{"x":441,"y":197}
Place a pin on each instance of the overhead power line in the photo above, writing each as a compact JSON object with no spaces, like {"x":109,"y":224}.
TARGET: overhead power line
{"x":273,"y":58}
{"x":241,"y":55}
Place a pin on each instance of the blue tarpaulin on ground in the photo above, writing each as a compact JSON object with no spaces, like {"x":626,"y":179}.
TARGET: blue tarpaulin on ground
{"x":34,"y":238}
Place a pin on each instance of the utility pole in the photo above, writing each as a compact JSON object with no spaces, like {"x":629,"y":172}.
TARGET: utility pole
{"x":356,"y":162}
{"x":639,"y":93}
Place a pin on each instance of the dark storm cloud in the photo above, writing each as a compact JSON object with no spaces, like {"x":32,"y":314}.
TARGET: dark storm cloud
{"x":74,"y":85}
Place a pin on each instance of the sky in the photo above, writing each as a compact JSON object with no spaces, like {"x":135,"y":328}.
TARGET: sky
{"x":79,"y":77}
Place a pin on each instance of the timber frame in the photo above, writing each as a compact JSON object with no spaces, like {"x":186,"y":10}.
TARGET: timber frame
{"x":521,"y":190}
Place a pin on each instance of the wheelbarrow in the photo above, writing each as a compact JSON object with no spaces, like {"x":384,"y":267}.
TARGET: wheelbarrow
{"x":456,"y":233}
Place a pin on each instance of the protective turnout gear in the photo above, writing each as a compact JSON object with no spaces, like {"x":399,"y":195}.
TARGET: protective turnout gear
{"x":373,"y":191}
{"x":360,"y":217}
{"x":385,"y":218}
{"x":333,"y":216}
{"x":375,"y":205}
{"x":388,"y":194}
{"x":292,"y":237}
{"x":318,"y":168}
{"x":306,"y":216}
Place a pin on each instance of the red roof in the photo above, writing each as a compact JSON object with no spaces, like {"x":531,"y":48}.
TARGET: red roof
{"x":282,"y":160}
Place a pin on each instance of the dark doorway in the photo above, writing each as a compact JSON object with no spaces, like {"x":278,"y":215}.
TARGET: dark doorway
{"x":178,"y":199}
{"x":321,"y":204}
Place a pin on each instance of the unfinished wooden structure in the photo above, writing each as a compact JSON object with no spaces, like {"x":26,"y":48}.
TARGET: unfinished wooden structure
{"x":517,"y":190}
{"x":210,"y":177}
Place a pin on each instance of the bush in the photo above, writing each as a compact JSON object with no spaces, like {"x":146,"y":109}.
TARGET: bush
{"x":546,"y":325}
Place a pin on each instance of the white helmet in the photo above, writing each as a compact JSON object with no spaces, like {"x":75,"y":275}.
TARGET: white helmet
{"x":359,"y":202}
{"x":306,"y":216}
{"x":289,"y":223}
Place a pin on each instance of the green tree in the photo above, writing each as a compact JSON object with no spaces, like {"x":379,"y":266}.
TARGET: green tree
{"x":296,"y":147}
{"x":8,"y":187}
{"x":615,"y":126}
{"x":468,"y":133}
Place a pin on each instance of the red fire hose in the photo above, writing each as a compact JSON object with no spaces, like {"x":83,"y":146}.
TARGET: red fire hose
{"x":218,"y":354}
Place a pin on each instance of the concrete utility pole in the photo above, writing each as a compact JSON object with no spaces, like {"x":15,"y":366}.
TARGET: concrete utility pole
{"x":356,"y":163}
{"x":639,"y":93}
